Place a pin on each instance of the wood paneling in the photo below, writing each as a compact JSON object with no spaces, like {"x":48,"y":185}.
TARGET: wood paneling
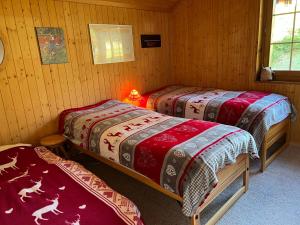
{"x":165,"y":5}
{"x":214,"y":44}
{"x":32,"y":95}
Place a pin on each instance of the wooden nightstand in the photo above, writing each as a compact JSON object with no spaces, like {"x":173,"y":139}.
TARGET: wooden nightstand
{"x":56,"y":144}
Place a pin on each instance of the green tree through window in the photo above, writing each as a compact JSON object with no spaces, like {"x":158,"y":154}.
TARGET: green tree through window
{"x":285,"y":35}
{"x":281,"y":53}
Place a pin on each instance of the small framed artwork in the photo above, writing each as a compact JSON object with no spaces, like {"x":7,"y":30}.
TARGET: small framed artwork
{"x":111,"y":43}
{"x":52,"y":45}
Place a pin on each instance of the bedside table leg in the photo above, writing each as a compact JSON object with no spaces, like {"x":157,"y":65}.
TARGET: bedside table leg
{"x":54,"y":150}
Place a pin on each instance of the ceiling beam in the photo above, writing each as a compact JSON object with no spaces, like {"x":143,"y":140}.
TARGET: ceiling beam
{"x":126,"y":4}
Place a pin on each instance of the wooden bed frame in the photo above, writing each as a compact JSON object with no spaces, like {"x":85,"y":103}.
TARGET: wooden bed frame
{"x":226,"y":176}
{"x":275,"y":141}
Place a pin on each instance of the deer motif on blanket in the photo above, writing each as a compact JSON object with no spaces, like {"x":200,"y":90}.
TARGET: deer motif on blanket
{"x":154,"y":117}
{"x":110,"y":146}
{"x":195,"y":109}
{"x":147,"y":120}
{"x":34,"y":189}
{"x":25,"y":174}
{"x":136,"y":124}
{"x":127,"y":128}
{"x":11,"y":164}
{"x":118,"y":134}
{"x":38,"y":214}
{"x":76,"y":222}
{"x":199,"y":101}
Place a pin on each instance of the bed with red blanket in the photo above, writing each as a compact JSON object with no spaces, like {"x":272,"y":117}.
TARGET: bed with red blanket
{"x":181,"y":155}
{"x":38,"y":187}
{"x":253,"y":111}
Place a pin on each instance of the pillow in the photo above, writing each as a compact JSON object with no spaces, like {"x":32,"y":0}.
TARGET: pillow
{"x":5,"y":147}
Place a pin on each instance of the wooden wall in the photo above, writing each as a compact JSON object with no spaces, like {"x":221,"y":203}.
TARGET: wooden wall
{"x":214,"y":44}
{"x":210,"y":43}
{"x":32,"y":95}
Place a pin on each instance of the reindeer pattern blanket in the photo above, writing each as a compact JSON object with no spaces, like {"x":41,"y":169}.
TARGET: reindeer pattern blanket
{"x":181,"y":155}
{"x":38,"y":187}
{"x":253,"y":111}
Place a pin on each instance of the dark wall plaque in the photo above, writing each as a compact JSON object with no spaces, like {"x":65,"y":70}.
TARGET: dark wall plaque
{"x":150,"y":41}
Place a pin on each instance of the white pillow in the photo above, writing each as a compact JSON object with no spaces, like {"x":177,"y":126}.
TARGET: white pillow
{"x":5,"y":147}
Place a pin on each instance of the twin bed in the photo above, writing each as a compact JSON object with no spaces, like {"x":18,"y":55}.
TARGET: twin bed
{"x":38,"y":187}
{"x":190,"y":160}
{"x":265,"y":115}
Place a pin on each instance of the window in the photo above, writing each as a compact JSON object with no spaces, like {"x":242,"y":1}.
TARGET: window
{"x":111,"y":43}
{"x":282,"y":40}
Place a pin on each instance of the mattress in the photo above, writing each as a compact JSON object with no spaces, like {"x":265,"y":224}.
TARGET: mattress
{"x":252,"y":111}
{"x":181,"y":155}
{"x":38,"y":187}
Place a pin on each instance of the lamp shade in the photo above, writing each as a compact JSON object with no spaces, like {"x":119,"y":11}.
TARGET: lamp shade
{"x":134,"y":95}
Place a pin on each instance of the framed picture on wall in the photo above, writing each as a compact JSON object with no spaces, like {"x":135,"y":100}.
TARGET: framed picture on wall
{"x":1,"y":52}
{"x":111,"y":43}
{"x":52,"y":45}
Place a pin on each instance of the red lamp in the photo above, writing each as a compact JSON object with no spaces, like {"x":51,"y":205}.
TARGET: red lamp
{"x":134,"y":95}
{"x":133,"y":98}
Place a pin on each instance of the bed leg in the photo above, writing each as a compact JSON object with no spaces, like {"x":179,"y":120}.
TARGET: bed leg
{"x":195,"y":220}
{"x":263,"y":156}
{"x":246,"y":176}
{"x":63,"y":151}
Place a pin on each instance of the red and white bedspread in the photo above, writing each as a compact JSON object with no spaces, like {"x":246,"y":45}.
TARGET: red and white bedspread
{"x":181,"y":155}
{"x":38,"y":187}
{"x":253,"y":111}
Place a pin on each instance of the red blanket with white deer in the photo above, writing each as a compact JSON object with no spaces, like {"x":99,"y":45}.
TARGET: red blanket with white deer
{"x":253,"y":111}
{"x":38,"y":187}
{"x":181,"y":155}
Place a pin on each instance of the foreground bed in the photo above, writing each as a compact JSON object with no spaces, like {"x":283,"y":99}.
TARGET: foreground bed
{"x":38,"y":187}
{"x":265,"y":115}
{"x":177,"y":156}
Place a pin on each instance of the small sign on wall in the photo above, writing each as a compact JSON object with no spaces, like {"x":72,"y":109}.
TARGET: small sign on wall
{"x":150,"y":41}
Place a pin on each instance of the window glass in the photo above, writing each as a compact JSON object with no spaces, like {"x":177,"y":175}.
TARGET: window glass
{"x":280,"y":56}
{"x":296,"y":57}
{"x":297,"y":28}
{"x":282,"y":28}
{"x":284,"y":6}
{"x":284,"y":52}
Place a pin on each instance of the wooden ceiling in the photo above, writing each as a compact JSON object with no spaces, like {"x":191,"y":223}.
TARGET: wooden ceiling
{"x":161,"y":5}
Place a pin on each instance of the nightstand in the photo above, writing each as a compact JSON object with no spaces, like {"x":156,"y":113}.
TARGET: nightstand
{"x":56,"y":144}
